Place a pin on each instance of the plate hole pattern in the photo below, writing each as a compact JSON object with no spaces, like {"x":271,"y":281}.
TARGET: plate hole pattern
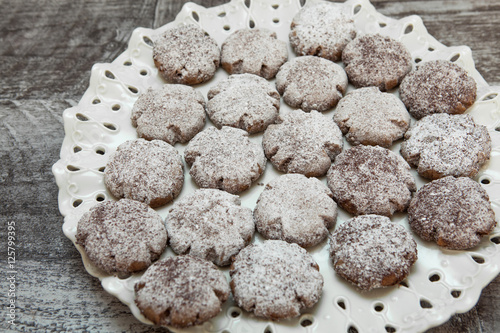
{"x":77,"y":149}
{"x":116,"y":107}
{"x":456,"y":293}
{"x":195,"y":16}
{"x":72,"y":168}
{"x":352,"y":329}
{"x":147,"y":41}
{"x":251,"y":24}
{"x":234,"y":312}
{"x":455,"y":57}
{"x":307,"y":321}
{"x":379,"y":307}
{"x":390,"y":329}
{"x":434,"y":278}
{"x":268,"y":329}
{"x":341,"y":304}
{"x":100,"y":197}
{"x":489,"y":97}
{"x":109,"y":75}
{"x":425,"y":304}
{"x":356,"y":9}
{"x":81,"y":117}
{"x":495,"y":240}
{"x":77,"y":202}
{"x":408,"y":29}
{"x":404,"y":284}
{"x":480,"y":260}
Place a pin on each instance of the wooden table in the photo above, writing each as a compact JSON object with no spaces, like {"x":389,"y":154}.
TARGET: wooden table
{"x":47,"y":49}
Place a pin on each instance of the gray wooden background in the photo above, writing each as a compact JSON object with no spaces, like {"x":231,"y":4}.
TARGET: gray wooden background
{"x":47,"y":48}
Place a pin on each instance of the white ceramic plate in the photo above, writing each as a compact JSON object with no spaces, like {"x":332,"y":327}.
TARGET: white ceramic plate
{"x":440,"y":284}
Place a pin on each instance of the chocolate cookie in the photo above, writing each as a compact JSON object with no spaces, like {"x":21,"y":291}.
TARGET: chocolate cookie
{"x":254,"y":51}
{"x":311,"y":83}
{"x":371,"y":180}
{"x":224,"y":159}
{"x":442,"y":145}
{"x":438,"y":86}
{"x":371,"y":251}
{"x":243,"y":101}
{"x":181,"y":291}
{"x":303,"y":143}
{"x":370,"y":117}
{"x":452,"y":212}
{"x":172,"y":113}
{"x":146,"y":171}
{"x":122,"y":237}
{"x":275,"y":279}
{"x":210,"y":224}
{"x":186,"y":54}
{"x":295,"y":209}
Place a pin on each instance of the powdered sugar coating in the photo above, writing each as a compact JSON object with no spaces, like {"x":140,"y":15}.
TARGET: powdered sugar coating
{"x":371,"y":180}
{"x":186,"y":54}
{"x":172,"y":113}
{"x":224,"y":159}
{"x":255,"y":51}
{"x":446,"y":145}
{"x":295,"y":209}
{"x":243,"y":101}
{"x":321,"y":29}
{"x":146,"y":171}
{"x":275,"y":279}
{"x":181,"y":291}
{"x":370,"y":117}
{"x":452,"y":212}
{"x":438,"y":86}
{"x":122,"y":237}
{"x":311,"y":83}
{"x":376,"y":60}
{"x":210,"y":224}
{"x":302,"y":142}
{"x":371,"y":251}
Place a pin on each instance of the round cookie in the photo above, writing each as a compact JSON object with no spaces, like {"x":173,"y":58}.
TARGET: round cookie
{"x":452,"y":212}
{"x":243,"y":101}
{"x":186,"y":54}
{"x":446,"y":145}
{"x":122,"y":237}
{"x":371,"y":251}
{"x":311,"y":83}
{"x":437,"y":86}
{"x":172,"y":113}
{"x":321,"y":29}
{"x":303,"y":143}
{"x":181,"y":291}
{"x":275,"y":279}
{"x":146,"y":171}
{"x":376,"y":60}
{"x":224,"y":159}
{"x":254,"y":51}
{"x":210,"y":224}
{"x":295,"y":209}
{"x":371,"y":180}
{"x":370,"y":117}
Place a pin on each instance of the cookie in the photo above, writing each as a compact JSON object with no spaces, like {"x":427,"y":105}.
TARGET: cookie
{"x":275,"y":280}
{"x":438,"y":86}
{"x":243,"y":101}
{"x":173,"y":113}
{"x":370,"y":117}
{"x":210,"y":224}
{"x":303,"y":143}
{"x":376,"y":60}
{"x":321,"y":29}
{"x":371,"y":251}
{"x":311,"y":83}
{"x":122,"y":237}
{"x":224,"y":159}
{"x":455,"y":213}
{"x":295,"y":209}
{"x":146,"y":171}
{"x":442,"y":145}
{"x":186,"y":54}
{"x":371,"y":180}
{"x":255,"y":51}
{"x":181,"y":291}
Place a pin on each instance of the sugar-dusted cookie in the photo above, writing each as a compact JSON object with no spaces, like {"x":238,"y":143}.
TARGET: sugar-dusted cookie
{"x":446,"y":145}
{"x":243,"y":101}
{"x":371,"y":251}
{"x":275,"y":279}
{"x":302,"y":142}
{"x":186,"y":54}
{"x":146,"y":171}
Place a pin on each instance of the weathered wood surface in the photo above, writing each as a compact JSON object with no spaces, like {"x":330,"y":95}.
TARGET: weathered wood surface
{"x":47,"y":49}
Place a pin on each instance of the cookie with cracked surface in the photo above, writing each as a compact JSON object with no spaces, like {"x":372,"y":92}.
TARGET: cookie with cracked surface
{"x":181,"y":291}
{"x":303,"y":143}
{"x":243,"y":101}
{"x":275,"y":279}
{"x":391,"y":248}
{"x":311,"y":83}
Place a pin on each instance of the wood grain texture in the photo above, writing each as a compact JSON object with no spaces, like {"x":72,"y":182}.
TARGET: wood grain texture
{"x":47,"y":49}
